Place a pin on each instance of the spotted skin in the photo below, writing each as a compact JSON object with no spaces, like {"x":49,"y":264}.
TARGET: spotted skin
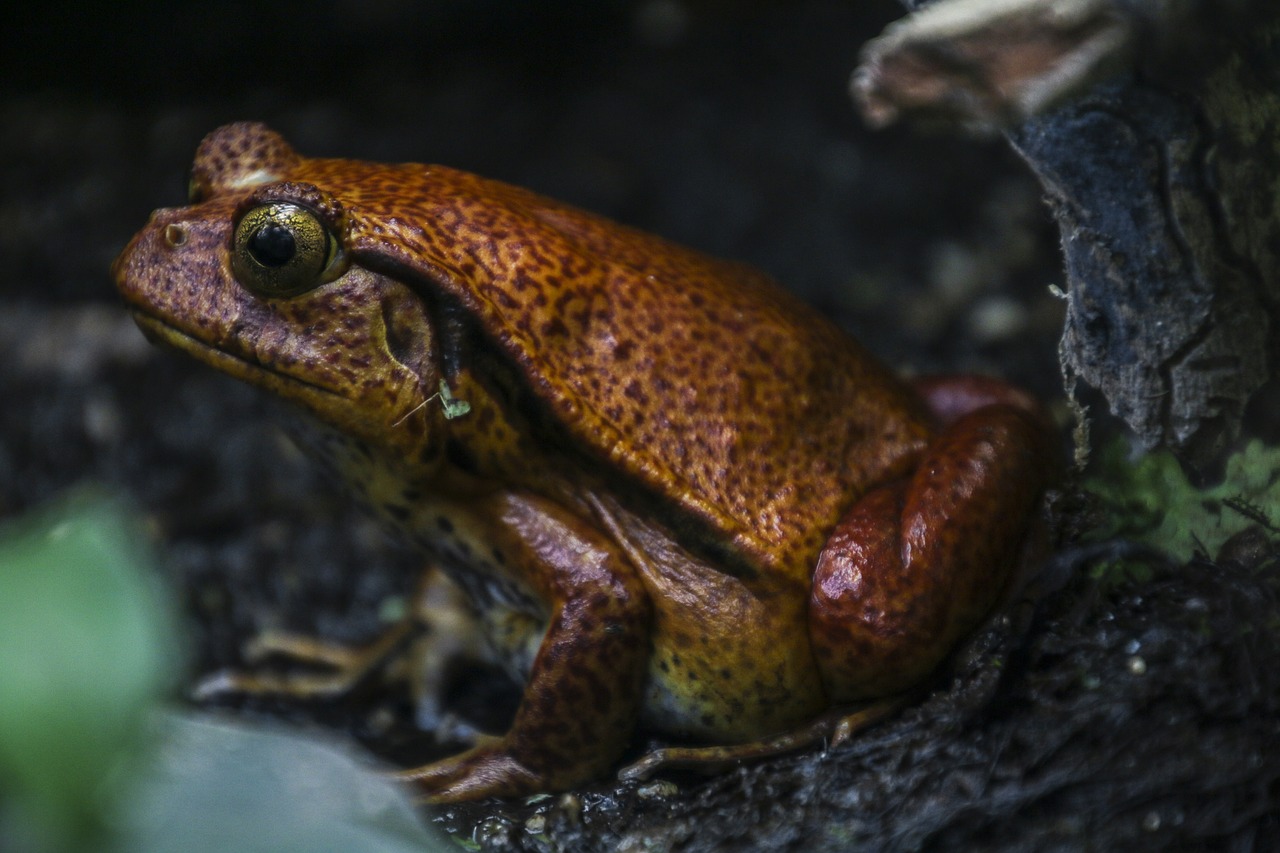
{"x":627,"y":339}
{"x":656,"y":451}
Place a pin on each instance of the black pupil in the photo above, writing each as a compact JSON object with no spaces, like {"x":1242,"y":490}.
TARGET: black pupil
{"x":272,"y":245}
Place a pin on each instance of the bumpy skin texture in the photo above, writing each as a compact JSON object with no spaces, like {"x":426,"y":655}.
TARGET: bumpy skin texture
{"x":660,"y":448}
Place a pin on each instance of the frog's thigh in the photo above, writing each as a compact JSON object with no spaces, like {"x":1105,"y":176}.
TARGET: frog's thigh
{"x":915,"y":564}
{"x":583,"y":694}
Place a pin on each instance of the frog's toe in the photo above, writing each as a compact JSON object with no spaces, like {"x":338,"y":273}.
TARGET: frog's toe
{"x":344,"y":668}
{"x":487,"y":770}
{"x":302,"y":686}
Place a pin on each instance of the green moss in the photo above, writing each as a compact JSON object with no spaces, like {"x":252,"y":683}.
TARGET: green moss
{"x":1151,"y":499}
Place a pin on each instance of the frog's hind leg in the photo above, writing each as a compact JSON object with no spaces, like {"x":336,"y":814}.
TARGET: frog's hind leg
{"x":420,"y":647}
{"x":916,"y":564}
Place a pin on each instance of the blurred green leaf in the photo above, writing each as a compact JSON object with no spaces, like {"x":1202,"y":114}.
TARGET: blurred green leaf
{"x":223,"y":785}
{"x":86,"y":644}
{"x":87,"y":762}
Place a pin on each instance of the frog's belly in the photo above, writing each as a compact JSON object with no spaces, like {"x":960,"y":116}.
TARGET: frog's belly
{"x":730,"y":668}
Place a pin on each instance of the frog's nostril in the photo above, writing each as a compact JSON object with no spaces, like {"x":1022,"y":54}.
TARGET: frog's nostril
{"x":174,"y":236}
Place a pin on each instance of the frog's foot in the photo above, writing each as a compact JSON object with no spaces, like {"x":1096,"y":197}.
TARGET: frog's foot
{"x":489,"y":769}
{"x":421,"y":648}
{"x":832,"y":729}
{"x":349,"y":668}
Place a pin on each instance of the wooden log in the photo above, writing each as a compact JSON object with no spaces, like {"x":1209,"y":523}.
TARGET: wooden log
{"x":1154,"y":126}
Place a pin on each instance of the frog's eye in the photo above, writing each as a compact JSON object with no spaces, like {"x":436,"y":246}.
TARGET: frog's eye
{"x":284,"y":249}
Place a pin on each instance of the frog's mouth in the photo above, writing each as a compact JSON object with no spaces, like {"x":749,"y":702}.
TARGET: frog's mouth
{"x":243,"y":367}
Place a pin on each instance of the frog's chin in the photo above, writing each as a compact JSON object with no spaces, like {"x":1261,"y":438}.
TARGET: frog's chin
{"x":309,"y":394}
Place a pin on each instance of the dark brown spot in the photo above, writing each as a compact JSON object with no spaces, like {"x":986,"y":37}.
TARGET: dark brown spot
{"x":555,"y":327}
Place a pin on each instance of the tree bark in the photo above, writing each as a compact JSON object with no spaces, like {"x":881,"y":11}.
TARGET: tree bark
{"x":1161,"y":163}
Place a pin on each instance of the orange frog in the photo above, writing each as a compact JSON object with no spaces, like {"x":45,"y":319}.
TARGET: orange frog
{"x":674,"y":496}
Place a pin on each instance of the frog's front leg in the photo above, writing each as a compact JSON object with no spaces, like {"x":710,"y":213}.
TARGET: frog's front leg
{"x":917,"y":563}
{"x":583,"y":693}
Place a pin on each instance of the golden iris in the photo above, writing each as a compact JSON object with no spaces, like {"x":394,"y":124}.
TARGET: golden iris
{"x":283,"y":249}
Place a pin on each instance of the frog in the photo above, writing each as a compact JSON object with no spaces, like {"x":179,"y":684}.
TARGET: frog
{"x":676,"y":498}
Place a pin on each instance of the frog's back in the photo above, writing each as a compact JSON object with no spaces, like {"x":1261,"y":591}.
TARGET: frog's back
{"x":698,"y":377}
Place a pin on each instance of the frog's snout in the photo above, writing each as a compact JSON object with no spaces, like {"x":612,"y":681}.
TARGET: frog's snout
{"x":164,"y":215}
{"x":170,"y":249}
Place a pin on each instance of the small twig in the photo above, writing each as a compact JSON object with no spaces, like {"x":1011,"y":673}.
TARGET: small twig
{"x":1251,"y":511}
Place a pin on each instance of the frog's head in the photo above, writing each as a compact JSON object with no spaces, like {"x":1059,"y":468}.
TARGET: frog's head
{"x":256,"y":277}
